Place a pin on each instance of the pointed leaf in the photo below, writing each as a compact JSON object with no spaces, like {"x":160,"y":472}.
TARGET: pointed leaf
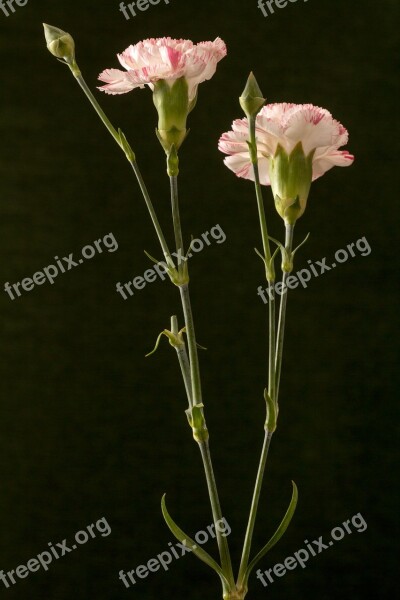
{"x":278,"y":533}
{"x":189,"y":543}
{"x":300,"y":245}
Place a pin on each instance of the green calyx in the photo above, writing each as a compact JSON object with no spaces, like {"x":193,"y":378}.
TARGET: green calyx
{"x":173,"y":106}
{"x":252,"y":99}
{"x":291,"y":176}
{"x":59,"y":43}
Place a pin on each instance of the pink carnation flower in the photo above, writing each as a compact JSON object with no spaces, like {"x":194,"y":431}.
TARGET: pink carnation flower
{"x":287,"y":125}
{"x":164,"y":58}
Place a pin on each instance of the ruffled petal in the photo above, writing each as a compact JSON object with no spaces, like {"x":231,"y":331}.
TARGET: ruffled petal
{"x":287,"y":125}
{"x":323,"y":161}
{"x":118,"y":82}
{"x":166,"y":58}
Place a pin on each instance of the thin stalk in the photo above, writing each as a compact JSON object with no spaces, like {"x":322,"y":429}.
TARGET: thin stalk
{"x":183,"y":361}
{"x":222,"y":541}
{"x":152,"y":213}
{"x":197,"y":392}
{"x":176,"y":218}
{"x":260,"y":202}
{"x":96,"y":105}
{"x":204,"y":445}
{"x":271,"y":355}
{"x":185,"y":369}
{"x":115,"y":134}
{"x":192,"y":344}
{"x":254,"y":506}
{"x":289,"y":228}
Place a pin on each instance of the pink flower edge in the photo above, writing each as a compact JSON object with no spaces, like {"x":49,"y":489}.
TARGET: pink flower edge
{"x":164,"y":58}
{"x":287,"y":125}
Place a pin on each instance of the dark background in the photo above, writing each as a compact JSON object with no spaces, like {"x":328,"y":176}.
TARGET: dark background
{"x":89,"y":427}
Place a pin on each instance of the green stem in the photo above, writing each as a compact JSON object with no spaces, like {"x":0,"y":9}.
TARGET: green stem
{"x":78,"y":76}
{"x":176,"y":217}
{"x":260,"y":201}
{"x":270,"y":272}
{"x":192,"y":344}
{"x":152,"y":213}
{"x":289,"y":228}
{"x":222,"y":541}
{"x":271,"y":352}
{"x":185,"y":368}
{"x":197,"y":393}
{"x":183,"y":361}
{"x":204,"y":445}
{"x":254,"y":506}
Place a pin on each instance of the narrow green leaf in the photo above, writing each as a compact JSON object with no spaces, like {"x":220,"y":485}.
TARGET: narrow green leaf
{"x":151,"y":257}
{"x":300,"y":245}
{"x":278,"y":533}
{"x":189,"y":543}
{"x":130,"y":155}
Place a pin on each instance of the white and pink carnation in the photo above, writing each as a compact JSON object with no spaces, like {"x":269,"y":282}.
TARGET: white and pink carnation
{"x":164,"y":59}
{"x":287,"y":125}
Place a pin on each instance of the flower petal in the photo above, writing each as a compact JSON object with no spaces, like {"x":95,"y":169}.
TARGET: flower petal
{"x":118,"y":82}
{"x":287,"y":125}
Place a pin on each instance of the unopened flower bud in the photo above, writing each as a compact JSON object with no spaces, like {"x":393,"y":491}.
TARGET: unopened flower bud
{"x":251,"y":99}
{"x":59,"y":43}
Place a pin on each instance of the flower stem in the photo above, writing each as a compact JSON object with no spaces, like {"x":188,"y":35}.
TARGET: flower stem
{"x":254,"y":506}
{"x":270,"y":273}
{"x":78,"y":76}
{"x":260,"y":201}
{"x":289,"y":228}
{"x":152,"y":212}
{"x":116,"y":135}
{"x":176,"y":218}
{"x":197,"y":392}
{"x":183,"y":362}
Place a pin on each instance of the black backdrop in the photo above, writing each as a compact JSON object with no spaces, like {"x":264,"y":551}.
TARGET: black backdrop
{"x":89,"y":427}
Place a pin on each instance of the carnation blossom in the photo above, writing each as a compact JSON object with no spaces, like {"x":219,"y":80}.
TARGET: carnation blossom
{"x":285,"y":125}
{"x":164,"y":59}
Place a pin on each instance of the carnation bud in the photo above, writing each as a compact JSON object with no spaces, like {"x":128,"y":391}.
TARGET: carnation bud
{"x":59,"y":43}
{"x":251,"y":99}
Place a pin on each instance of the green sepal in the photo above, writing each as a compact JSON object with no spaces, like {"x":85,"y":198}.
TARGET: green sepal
{"x":130,"y":155}
{"x":189,"y":543}
{"x":269,"y":265}
{"x":290,"y":176}
{"x":175,"y":340}
{"x":272,"y":413}
{"x":173,"y":106}
{"x":173,"y":162}
{"x":277,"y":535}
{"x":287,"y":257}
{"x":251,"y":99}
